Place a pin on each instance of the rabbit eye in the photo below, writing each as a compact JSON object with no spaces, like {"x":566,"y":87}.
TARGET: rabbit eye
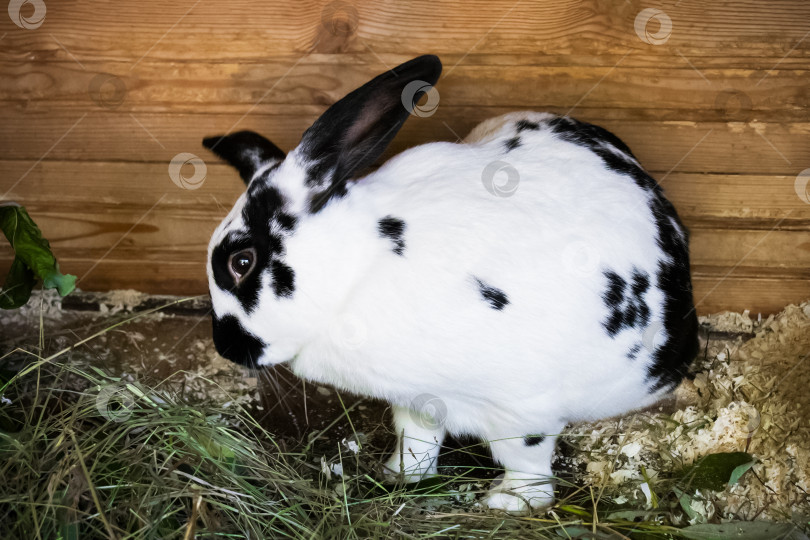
{"x":241,"y":263}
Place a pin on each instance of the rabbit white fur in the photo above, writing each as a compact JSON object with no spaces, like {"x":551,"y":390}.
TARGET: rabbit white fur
{"x":502,"y":312}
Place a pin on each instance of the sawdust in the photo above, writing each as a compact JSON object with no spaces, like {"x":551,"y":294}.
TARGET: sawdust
{"x":747,"y":396}
{"x":159,"y":349}
{"x":120,"y":300}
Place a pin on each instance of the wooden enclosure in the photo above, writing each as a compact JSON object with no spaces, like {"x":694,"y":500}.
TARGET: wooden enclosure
{"x":98,"y":98}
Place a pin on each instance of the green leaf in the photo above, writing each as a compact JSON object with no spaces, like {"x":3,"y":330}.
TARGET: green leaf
{"x":216,"y":450}
{"x":714,"y":471}
{"x":743,"y":530}
{"x":33,"y":259}
{"x":17,"y":288}
{"x":686,"y":503}
{"x":632,"y":515}
{"x":578,"y":531}
{"x":737,"y":473}
{"x":573,"y":509}
{"x":69,"y":531}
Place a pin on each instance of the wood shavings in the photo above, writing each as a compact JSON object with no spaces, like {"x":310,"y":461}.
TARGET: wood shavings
{"x":746,"y":396}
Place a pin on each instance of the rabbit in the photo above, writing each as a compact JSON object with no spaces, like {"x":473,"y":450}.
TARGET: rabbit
{"x":500,"y":287}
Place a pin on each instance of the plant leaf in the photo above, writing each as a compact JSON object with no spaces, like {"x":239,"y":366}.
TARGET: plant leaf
{"x":632,"y":515}
{"x":737,"y":473}
{"x":32,"y":251}
{"x":743,"y":530}
{"x":578,"y":510}
{"x":17,"y":288}
{"x":686,"y":504}
{"x":714,"y":471}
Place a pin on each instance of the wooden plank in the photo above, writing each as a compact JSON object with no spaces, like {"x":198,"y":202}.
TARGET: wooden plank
{"x":175,"y":233}
{"x":714,"y":292}
{"x":710,"y":200}
{"x":665,"y":92}
{"x":745,"y":31}
{"x":718,"y":113}
{"x":775,"y":249}
{"x":174,"y":229}
{"x":762,"y":148}
{"x":750,"y":201}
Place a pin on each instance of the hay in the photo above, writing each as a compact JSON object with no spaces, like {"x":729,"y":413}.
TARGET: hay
{"x":749,"y":394}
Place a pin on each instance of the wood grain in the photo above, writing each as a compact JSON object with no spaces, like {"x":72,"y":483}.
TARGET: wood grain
{"x":98,"y":100}
{"x":672,"y":92}
{"x":721,"y":32}
{"x":753,"y":148}
{"x":716,"y":200}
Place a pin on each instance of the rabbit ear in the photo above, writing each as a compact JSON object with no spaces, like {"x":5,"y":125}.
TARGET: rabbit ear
{"x":353,"y":132}
{"x":245,"y":150}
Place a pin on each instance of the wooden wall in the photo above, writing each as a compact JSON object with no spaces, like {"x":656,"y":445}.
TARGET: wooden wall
{"x":99,"y":97}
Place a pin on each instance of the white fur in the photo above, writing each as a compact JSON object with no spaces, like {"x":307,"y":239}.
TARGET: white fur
{"x":399,"y":327}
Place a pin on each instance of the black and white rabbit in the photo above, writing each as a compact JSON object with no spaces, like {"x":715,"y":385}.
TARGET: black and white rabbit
{"x":531,"y":276}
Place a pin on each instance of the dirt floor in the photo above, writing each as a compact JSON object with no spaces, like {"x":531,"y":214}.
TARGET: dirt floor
{"x":750,"y":394}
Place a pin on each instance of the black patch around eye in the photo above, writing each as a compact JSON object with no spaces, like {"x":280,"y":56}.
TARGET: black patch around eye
{"x":533,"y":440}
{"x":393,"y":229}
{"x":247,"y":291}
{"x":235,"y":343}
{"x":497,"y":298}
{"x":263,"y":208}
{"x":512,"y":143}
{"x":523,"y":125}
{"x":283,"y":279}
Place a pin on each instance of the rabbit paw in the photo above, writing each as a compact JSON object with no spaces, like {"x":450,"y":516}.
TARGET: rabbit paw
{"x":409,"y":468}
{"x":513,"y":498}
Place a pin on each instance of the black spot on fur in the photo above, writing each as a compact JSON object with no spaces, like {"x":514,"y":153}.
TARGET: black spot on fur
{"x":533,"y":440}
{"x":235,"y":343}
{"x":283,"y":279}
{"x":585,"y":134}
{"x":672,"y":358}
{"x":512,"y":143}
{"x":615,"y":291}
{"x":393,"y":229}
{"x":497,"y":298}
{"x":641,"y":283}
{"x":627,"y":306}
{"x":523,"y":125}
{"x":633,"y":352}
{"x":286,"y":221}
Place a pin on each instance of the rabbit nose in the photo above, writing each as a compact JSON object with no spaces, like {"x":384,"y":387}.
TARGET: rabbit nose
{"x":235,"y":343}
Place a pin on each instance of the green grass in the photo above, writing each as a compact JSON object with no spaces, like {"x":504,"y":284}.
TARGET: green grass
{"x":86,"y":455}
